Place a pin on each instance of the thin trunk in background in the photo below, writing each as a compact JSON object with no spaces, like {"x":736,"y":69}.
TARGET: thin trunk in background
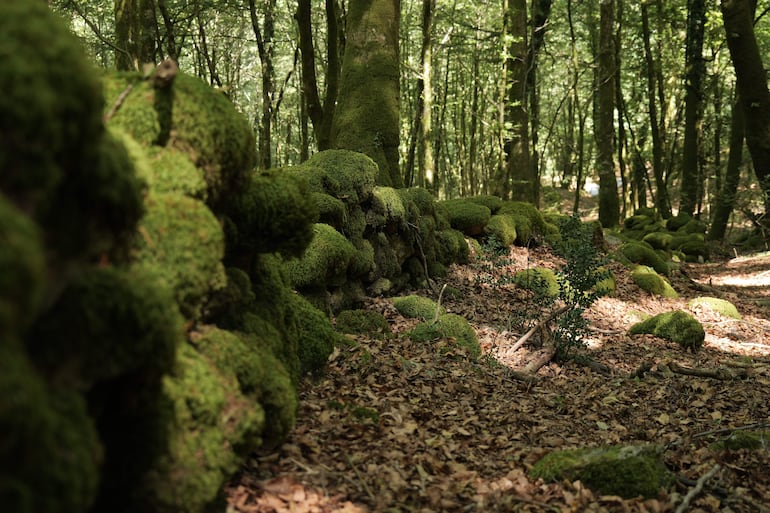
{"x":725,"y":203}
{"x":541,"y":10}
{"x":266,"y":50}
{"x":608,"y":186}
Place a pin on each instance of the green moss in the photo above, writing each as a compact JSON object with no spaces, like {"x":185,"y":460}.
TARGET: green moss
{"x":331,"y":210}
{"x":678,"y":240}
{"x":361,"y":321}
{"x":529,"y":221}
{"x":171,"y":170}
{"x":362,"y":262}
{"x":387,"y":210}
{"x":50,"y":107}
{"x":22,"y":262}
{"x":183,"y":242}
{"x":493,"y":203}
{"x":450,"y":326}
{"x":325,"y":261}
{"x":451,"y":247}
{"x":279,"y":399}
{"x":228,"y":305}
{"x":316,"y":337}
{"x":274,"y":212}
{"x":466,"y":216}
{"x":642,"y":253}
{"x":539,"y":280}
{"x":677,"y":326}
{"x":227,"y":350}
{"x":503,"y":228}
{"x":422,"y":198}
{"x":675,"y":223}
{"x":693,"y":226}
{"x":347,"y":175}
{"x":606,"y":286}
{"x":417,"y":307}
{"x":720,"y":306}
{"x":658,"y":240}
{"x":647,"y":279}
{"x":747,"y":440}
{"x":694,"y":250}
{"x":627,"y":471}
{"x":638,"y":222}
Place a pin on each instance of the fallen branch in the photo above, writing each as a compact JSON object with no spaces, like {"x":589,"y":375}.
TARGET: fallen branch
{"x":643,"y":369}
{"x":533,"y":329}
{"x":697,"y":490}
{"x":722,"y":373}
{"x":723,"y":431}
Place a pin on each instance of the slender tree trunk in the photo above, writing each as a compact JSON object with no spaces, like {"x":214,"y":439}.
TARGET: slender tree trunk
{"x":427,"y":164}
{"x":726,"y":197}
{"x":367,"y":115}
{"x":620,"y":105}
{"x":473,"y":180}
{"x":127,"y":34}
{"x":695,"y":70}
{"x":608,"y":186}
{"x":266,"y":50}
{"x":541,"y":10}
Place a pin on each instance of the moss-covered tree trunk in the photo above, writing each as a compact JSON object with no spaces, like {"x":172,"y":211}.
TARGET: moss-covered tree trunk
{"x":367,"y":116}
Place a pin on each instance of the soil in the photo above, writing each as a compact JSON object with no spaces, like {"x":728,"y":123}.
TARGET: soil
{"x":394,"y":425}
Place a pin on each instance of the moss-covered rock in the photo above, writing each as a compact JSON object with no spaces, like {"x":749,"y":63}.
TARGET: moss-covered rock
{"x":642,"y":253}
{"x":677,"y":326}
{"x":540,"y":280}
{"x":107,"y":323}
{"x":466,"y":216}
{"x":675,"y":223}
{"x":417,"y":307}
{"x":331,"y":210}
{"x":452,"y":247}
{"x":449,"y":326}
{"x":171,"y":170}
{"x":422,"y":198}
{"x":720,"y":306}
{"x":637,"y":222}
{"x":503,"y":228}
{"x":316,"y":337}
{"x":387,"y":210}
{"x":627,"y":471}
{"x":529,"y":221}
{"x":183,"y":242}
{"x":325,"y":261}
{"x":346,"y":175}
{"x":272,"y":213}
{"x":658,"y":240}
{"x":647,"y":279}
{"x":493,"y":203}
{"x":605,"y":286}
{"x":361,"y":321}
{"x":227,"y":350}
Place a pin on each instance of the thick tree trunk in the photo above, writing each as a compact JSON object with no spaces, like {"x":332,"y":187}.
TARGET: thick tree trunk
{"x":695,"y":69}
{"x":609,"y":210}
{"x":367,"y":115}
{"x":752,"y":87}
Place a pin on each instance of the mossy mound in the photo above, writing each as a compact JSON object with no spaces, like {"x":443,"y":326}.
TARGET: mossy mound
{"x":361,"y":322}
{"x":272,"y":213}
{"x":346,"y":175}
{"x":331,"y":210}
{"x":658,"y":240}
{"x":677,"y":326}
{"x":171,"y":170}
{"x":606,"y":286}
{"x":626,"y":471}
{"x":325,"y":261}
{"x":642,"y":253}
{"x":678,"y":221}
{"x":638,"y":222}
{"x":493,"y":203}
{"x":387,"y":211}
{"x":452,"y":247}
{"x":107,"y":323}
{"x":449,"y":326}
{"x":720,"y":306}
{"x":530,"y":224}
{"x":746,"y":440}
{"x":316,"y":337}
{"x":183,"y":242}
{"x":647,"y":279}
{"x":227,"y":350}
{"x":417,"y":307}
{"x":540,"y":280}
{"x":465,"y":215}
{"x":503,"y":228}
{"x":422,"y":198}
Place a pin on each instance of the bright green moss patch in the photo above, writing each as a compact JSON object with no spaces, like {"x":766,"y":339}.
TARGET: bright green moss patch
{"x":627,"y":471}
{"x":529,"y":221}
{"x":647,"y":279}
{"x":227,"y":350}
{"x":182,"y":240}
{"x":642,"y":253}
{"x":325,"y":261}
{"x":449,"y":326}
{"x":346,"y":175}
{"x":387,"y":208}
{"x":422,"y":198}
{"x":605,"y":286}
{"x":361,"y":321}
{"x":171,"y":170}
{"x":503,"y":228}
{"x":677,"y":326}
{"x":316,"y":337}
{"x":417,"y":307}
{"x":493,"y":203}
{"x":720,"y":306}
{"x":539,"y":280}
{"x":466,"y":216}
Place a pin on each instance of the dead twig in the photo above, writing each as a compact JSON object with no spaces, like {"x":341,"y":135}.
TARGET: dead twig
{"x":697,"y":489}
{"x":721,"y":373}
{"x":533,"y":329}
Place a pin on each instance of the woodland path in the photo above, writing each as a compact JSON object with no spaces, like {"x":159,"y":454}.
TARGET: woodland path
{"x":394,"y":425}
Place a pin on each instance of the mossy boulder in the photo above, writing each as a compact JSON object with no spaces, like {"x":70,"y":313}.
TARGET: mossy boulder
{"x":627,"y":471}
{"x":643,"y":253}
{"x":346,"y":175}
{"x":606,"y":285}
{"x":493,"y":203}
{"x":720,"y":306}
{"x":540,"y":280}
{"x":677,"y":326}
{"x":449,"y":326}
{"x":325,"y":261}
{"x":361,"y":322}
{"x":466,"y":216}
{"x":422,"y":198}
{"x":638,"y":222}
{"x":172,"y":170}
{"x":503,"y":228}
{"x":530,"y":224}
{"x":417,"y":307}
{"x":183,"y":242}
{"x":451,"y":247}
{"x":315,"y":335}
{"x":647,"y":279}
{"x":678,"y":221}
{"x":331,"y":210}
{"x":658,"y":240}
{"x":227,"y":350}
{"x":387,"y":210}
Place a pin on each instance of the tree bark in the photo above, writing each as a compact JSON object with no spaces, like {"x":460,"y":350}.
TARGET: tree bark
{"x":367,"y":115}
{"x":266,"y":52}
{"x":609,"y":210}
{"x":725,"y":203}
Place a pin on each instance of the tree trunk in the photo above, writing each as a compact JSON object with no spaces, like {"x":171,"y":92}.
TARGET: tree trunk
{"x":608,"y":186}
{"x":127,"y":35}
{"x":541,"y":10}
{"x":266,"y":51}
{"x":695,"y":70}
{"x":367,"y":115}
{"x":427,"y":165}
{"x":752,"y":87}
{"x":726,"y":197}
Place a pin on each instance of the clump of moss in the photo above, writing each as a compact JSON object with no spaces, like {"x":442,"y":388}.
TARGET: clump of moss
{"x":606,"y":286}
{"x":273,"y":213}
{"x":422,"y":198}
{"x":539,"y":280}
{"x":677,"y":326}
{"x":658,"y":240}
{"x":361,"y":321}
{"x":450,"y":326}
{"x":493,"y":203}
{"x":642,"y":253}
{"x":466,"y":216}
{"x":387,"y":209}
{"x":721,"y":306}
{"x":227,"y":350}
{"x":638,"y":222}
{"x":529,"y":221}
{"x":417,"y":307}
{"x":451,"y":246}
{"x":627,"y":471}
{"x":678,"y":221}
{"x":503,"y":228}
{"x":748,"y":440}
{"x":183,"y":241}
{"x":316,"y":337}
{"x":331,"y":210}
{"x":347,"y":175}
{"x":325,"y":261}
{"x":171,"y":170}
{"x":647,"y":279}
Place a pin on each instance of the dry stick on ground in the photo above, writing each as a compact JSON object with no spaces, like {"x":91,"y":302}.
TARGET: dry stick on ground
{"x":528,"y":335}
{"x":697,"y":490}
{"x":722,"y":373}
{"x":723,"y":431}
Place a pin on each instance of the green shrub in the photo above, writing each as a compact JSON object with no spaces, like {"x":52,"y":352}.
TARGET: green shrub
{"x":677,"y":326}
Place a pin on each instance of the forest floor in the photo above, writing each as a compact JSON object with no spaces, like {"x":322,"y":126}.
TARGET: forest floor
{"x":394,"y":425}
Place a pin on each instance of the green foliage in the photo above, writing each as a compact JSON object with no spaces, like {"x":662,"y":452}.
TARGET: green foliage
{"x":449,"y":326}
{"x":677,"y":326}
{"x":325,"y":261}
{"x":417,"y":307}
{"x":721,"y":306}
{"x":647,"y":279}
{"x":361,"y":321}
{"x":466,"y":216}
{"x":627,"y":471}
